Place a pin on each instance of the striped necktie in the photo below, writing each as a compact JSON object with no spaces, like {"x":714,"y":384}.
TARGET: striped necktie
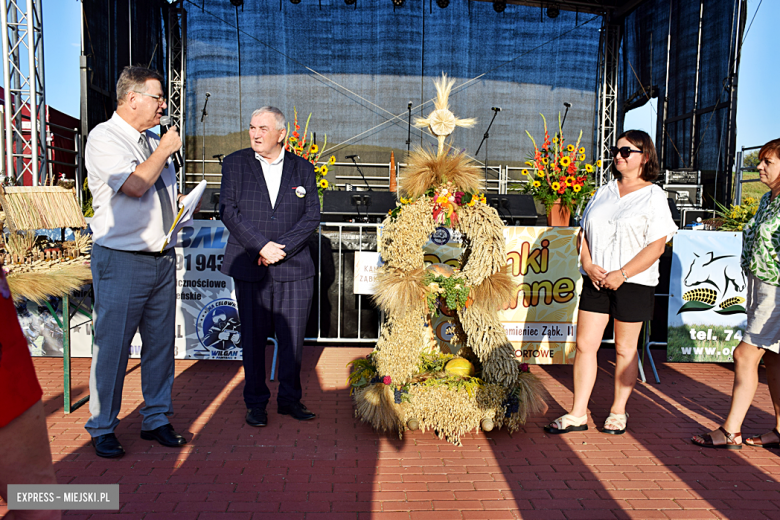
{"x":162,"y":191}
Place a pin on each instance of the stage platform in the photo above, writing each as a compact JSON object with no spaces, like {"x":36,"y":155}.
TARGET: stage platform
{"x":337,"y":468}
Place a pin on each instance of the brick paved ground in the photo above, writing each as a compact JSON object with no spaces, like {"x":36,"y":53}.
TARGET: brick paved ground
{"x":337,"y":468}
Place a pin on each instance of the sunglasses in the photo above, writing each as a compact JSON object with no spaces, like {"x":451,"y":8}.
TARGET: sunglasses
{"x":624,"y":152}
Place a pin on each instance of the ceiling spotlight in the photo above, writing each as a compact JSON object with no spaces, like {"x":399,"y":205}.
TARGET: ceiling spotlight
{"x":296,"y":2}
{"x":398,"y":3}
{"x":350,"y":2}
{"x":499,"y":5}
{"x":237,"y":3}
{"x":443,"y":3}
{"x":553,"y":11}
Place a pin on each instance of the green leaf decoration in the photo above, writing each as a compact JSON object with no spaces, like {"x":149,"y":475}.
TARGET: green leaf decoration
{"x":695,"y":306}
{"x":732,"y":309}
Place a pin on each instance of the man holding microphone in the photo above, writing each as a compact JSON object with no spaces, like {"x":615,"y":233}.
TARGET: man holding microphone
{"x":133,"y":185}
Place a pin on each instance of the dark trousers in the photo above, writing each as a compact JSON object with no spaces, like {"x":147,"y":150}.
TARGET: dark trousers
{"x":267,"y":307}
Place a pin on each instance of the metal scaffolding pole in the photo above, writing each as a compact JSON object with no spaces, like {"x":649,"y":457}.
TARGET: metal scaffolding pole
{"x":609,"y":51}
{"x":177,"y":74}
{"x":25,"y":146}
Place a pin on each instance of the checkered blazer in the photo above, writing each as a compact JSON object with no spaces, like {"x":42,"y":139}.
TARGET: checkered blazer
{"x":246,"y":210}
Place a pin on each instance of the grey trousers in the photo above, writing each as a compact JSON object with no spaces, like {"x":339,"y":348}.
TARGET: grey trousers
{"x":132,"y":292}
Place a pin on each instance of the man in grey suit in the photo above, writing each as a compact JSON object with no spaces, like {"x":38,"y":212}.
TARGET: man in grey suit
{"x":134,"y":191}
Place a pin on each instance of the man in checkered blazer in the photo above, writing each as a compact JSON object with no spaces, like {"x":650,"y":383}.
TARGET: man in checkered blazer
{"x":270,"y":205}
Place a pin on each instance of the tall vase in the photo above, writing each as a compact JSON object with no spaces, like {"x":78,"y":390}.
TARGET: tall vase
{"x":558,"y":215}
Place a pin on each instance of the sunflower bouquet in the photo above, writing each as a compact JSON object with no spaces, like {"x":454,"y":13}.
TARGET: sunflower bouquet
{"x":296,"y":143}
{"x":735,"y":217}
{"x":558,"y":172}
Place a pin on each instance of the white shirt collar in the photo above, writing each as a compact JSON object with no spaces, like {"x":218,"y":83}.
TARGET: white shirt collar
{"x":125,"y":128}
{"x":276,"y":161}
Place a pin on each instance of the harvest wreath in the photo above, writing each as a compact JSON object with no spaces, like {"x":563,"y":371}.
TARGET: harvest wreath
{"x":406,"y":382}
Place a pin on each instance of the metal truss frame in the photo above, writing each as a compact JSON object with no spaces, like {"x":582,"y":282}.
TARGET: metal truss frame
{"x":607,"y":97}
{"x":25,"y":148}
{"x":177,"y":76}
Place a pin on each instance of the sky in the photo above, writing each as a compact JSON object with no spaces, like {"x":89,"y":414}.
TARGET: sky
{"x":758,"y":111}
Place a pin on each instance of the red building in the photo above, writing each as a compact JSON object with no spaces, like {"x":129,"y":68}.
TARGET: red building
{"x":62,"y":133}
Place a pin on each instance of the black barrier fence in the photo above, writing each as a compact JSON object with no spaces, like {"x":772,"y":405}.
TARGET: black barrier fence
{"x":338,"y":314}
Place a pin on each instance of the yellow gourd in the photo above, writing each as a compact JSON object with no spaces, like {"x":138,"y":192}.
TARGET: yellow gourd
{"x":459,"y":367}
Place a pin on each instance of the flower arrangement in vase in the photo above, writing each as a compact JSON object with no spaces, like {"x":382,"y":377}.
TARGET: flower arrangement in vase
{"x":296,"y":143}
{"x":559,"y":177}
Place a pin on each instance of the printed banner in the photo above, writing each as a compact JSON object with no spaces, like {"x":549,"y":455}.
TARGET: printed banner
{"x":707,"y":293}
{"x":207,"y":324}
{"x":541,"y":321}
{"x":44,"y":333}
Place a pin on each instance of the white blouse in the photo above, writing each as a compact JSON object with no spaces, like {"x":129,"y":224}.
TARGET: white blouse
{"x":618,"y":228}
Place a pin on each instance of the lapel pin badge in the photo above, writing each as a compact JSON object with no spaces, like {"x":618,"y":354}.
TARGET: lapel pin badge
{"x":300,"y":191}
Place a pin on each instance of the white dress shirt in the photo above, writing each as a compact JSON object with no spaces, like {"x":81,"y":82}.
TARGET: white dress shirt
{"x":618,"y":228}
{"x":273,"y":175}
{"x":122,"y":222}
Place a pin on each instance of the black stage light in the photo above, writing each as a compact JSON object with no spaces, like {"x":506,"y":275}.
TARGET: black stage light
{"x":499,"y":5}
{"x":296,"y":2}
{"x":350,"y":2}
{"x":553,"y":11}
{"x":443,"y":3}
{"x":237,"y":3}
{"x":398,"y":3}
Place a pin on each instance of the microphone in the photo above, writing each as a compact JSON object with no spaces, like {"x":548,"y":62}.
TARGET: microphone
{"x":409,"y":106}
{"x":496,"y":109}
{"x":352,"y":157}
{"x":165,"y":123}
{"x":568,"y":106}
{"x":203,"y":112}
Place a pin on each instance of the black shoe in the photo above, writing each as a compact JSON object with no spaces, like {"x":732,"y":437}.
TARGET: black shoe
{"x":297,"y":411}
{"x":107,"y":446}
{"x":257,"y":416}
{"x":165,"y":436}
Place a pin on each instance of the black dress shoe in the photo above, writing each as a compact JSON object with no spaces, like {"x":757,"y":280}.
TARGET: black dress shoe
{"x":297,"y":411}
{"x":257,"y":416}
{"x":165,"y":435}
{"x":107,"y":446}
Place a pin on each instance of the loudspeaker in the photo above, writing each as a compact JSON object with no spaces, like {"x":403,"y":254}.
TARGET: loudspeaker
{"x":341,"y":205}
{"x":516,"y":209}
{"x":209,"y":202}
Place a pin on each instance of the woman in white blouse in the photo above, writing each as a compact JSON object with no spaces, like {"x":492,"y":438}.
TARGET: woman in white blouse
{"x":625,"y":227}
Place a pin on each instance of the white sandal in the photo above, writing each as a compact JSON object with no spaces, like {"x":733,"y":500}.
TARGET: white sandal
{"x":567,"y":423}
{"x":616,"y":419}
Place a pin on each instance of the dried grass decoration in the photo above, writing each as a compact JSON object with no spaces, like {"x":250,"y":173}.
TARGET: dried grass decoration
{"x":404,"y":383}
{"x":35,"y":269}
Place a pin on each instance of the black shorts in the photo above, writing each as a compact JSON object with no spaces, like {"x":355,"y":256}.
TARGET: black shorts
{"x":630,"y":303}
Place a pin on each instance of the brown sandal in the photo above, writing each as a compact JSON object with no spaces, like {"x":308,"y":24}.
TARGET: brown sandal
{"x":759,"y":442}
{"x":718,"y":439}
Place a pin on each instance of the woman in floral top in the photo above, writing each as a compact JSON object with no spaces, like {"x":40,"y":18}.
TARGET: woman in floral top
{"x":761,"y":264}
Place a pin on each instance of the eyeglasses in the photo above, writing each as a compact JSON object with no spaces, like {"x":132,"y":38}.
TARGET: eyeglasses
{"x":160,"y":99}
{"x":624,"y":152}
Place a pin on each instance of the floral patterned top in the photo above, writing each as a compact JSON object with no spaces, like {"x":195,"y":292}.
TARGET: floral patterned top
{"x":761,"y":242}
